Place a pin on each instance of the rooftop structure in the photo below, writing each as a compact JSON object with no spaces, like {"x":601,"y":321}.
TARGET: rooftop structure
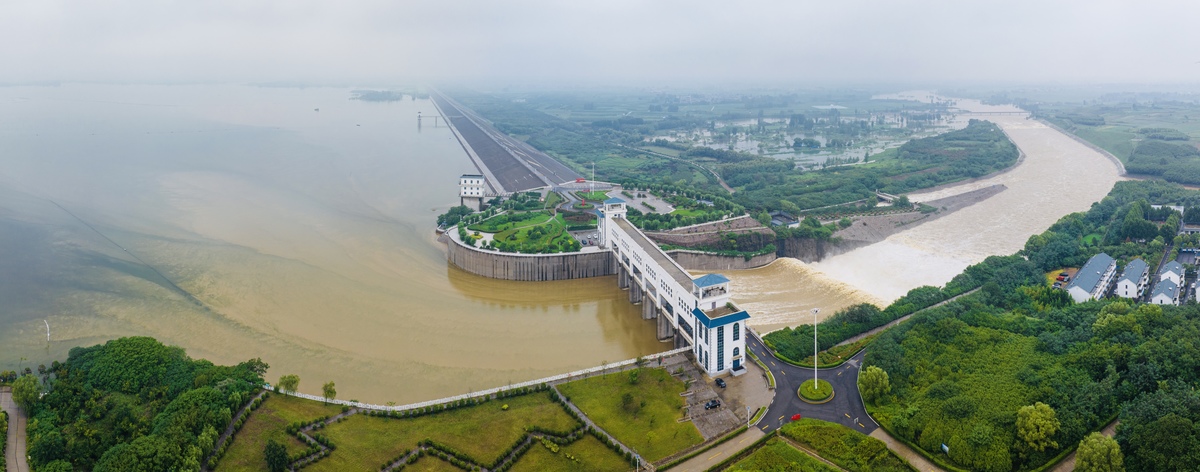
{"x":1134,"y":279}
{"x":1166,"y":292}
{"x":1172,"y":270}
{"x":1093,"y":280}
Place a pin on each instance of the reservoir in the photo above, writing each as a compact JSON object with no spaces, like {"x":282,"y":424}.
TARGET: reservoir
{"x":295,"y":225}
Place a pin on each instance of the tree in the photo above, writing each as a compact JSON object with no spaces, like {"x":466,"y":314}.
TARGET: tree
{"x":1036,"y":424}
{"x":902,"y":202}
{"x":25,"y":391}
{"x":874,"y":383}
{"x":289,"y":383}
{"x":328,"y":391}
{"x":276,"y":456}
{"x":1099,"y":453}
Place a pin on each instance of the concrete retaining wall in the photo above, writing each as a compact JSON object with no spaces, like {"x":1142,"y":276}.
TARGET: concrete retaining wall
{"x":695,"y":260}
{"x":528,"y":267}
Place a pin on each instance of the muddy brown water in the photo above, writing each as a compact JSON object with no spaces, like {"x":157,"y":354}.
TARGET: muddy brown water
{"x":240,"y":222}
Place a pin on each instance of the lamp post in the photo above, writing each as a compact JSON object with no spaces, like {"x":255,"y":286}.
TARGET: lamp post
{"x":815,"y":311}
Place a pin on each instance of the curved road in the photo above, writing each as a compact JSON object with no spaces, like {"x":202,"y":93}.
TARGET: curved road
{"x":846,"y":408}
{"x":15,"y":446}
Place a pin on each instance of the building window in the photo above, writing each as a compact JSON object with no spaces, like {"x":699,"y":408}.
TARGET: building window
{"x":736,"y":351}
{"x":720,"y":348}
{"x":737,"y":333}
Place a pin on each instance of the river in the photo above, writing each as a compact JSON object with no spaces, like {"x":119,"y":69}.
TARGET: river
{"x":290,"y":224}
{"x":1058,"y":176}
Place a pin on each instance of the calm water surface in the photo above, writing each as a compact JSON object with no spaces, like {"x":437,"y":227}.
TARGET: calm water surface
{"x":240,"y":222}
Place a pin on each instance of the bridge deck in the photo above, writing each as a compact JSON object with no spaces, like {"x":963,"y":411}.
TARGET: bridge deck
{"x":661,"y":258}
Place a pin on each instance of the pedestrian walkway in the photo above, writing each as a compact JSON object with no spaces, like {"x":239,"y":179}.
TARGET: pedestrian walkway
{"x":714,"y":456}
{"x":918,"y":461}
{"x":14,"y":456}
{"x":1068,"y":464}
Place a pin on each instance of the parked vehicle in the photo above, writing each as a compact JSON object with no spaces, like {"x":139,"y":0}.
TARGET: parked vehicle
{"x":720,"y":383}
{"x":714,"y":403}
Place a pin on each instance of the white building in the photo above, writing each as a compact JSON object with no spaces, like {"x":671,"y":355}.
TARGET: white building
{"x":1134,"y":279}
{"x":1166,"y":292}
{"x":1172,"y":271}
{"x":697,"y":312}
{"x":471,"y":191}
{"x":1094,"y":279}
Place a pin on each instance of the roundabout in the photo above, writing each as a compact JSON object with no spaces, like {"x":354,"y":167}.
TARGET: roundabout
{"x":821,"y":393}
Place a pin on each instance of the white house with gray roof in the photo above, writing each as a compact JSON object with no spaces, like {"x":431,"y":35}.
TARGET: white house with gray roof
{"x":1172,"y":271}
{"x":1166,"y":292}
{"x":1134,"y":280}
{"x":1094,"y":279}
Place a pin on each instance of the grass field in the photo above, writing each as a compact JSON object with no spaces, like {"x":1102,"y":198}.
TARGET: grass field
{"x":483,"y":432}
{"x":429,"y":464}
{"x":649,"y":424}
{"x":688,"y":212}
{"x":845,"y":447}
{"x":597,"y":196}
{"x":532,"y":238}
{"x":776,"y":455}
{"x":592,"y":455}
{"x":270,"y":421}
{"x":1111,"y":139}
{"x":507,"y":222}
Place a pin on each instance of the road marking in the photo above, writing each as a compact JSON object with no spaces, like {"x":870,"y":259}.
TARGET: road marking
{"x":784,"y":372}
{"x":773,"y":364}
{"x":861,"y":426}
{"x":714,"y":456}
{"x":781,"y":417}
{"x":743,"y":440}
{"x":847,"y":414}
{"x":764,"y":427}
{"x":839,"y":374}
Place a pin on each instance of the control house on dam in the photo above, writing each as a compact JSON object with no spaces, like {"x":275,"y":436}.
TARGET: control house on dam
{"x":697,"y":312}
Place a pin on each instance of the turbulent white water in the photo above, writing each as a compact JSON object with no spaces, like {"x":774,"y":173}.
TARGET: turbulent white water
{"x":1058,"y":176}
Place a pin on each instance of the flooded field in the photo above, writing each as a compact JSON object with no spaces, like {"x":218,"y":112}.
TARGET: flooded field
{"x":293,"y":225}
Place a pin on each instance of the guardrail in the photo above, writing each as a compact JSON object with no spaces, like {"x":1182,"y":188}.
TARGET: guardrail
{"x":482,"y":393}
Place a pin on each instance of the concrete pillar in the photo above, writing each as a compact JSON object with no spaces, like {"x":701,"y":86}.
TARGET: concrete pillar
{"x":666,"y":330}
{"x":622,"y":277}
{"x":649,"y":308}
{"x":635,"y":293}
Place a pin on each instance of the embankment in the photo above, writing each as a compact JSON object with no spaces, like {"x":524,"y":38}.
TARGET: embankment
{"x":706,"y":262}
{"x":527,"y":267}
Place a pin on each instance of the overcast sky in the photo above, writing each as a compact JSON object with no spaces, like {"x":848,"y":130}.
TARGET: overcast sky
{"x":601,"y":41}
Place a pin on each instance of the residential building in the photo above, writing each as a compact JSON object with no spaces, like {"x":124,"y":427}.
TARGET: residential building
{"x":1094,"y":279}
{"x":1172,"y":271}
{"x":1166,"y":292}
{"x":1134,"y":279}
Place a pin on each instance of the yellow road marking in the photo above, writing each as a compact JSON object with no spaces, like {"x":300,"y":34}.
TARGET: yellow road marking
{"x":847,"y":414}
{"x":861,"y":425}
{"x":784,"y":372}
{"x":714,"y":456}
{"x":781,"y":417}
{"x":743,"y":440}
{"x":839,"y":374}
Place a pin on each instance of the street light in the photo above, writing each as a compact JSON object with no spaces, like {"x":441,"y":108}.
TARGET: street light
{"x":815,"y":311}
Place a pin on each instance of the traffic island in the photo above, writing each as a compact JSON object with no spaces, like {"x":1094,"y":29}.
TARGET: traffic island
{"x":816,"y":396}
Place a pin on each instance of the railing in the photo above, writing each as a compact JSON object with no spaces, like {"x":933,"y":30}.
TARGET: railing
{"x":482,"y":393}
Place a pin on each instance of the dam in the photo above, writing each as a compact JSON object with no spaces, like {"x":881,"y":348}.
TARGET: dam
{"x":697,"y":313}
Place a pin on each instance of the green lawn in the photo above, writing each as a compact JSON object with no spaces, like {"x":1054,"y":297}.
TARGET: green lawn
{"x":270,"y":421}
{"x":688,"y":212}
{"x":845,"y":447}
{"x":776,"y":455}
{"x":650,"y":428}
{"x":597,"y":196}
{"x":534,"y":238}
{"x":510,"y":221}
{"x":484,"y":432}
{"x":429,"y":464}
{"x":592,"y":455}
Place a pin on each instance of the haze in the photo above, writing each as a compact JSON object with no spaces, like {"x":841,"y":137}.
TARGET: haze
{"x":600,"y":41}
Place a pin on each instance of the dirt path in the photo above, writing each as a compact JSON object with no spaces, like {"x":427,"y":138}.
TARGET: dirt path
{"x":1068,"y":464}
{"x":229,"y":430}
{"x":918,"y":461}
{"x":14,"y":456}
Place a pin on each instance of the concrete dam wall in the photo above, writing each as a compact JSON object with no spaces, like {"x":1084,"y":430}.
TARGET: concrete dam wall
{"x":701,"y":261}
{"x":529,"y":267}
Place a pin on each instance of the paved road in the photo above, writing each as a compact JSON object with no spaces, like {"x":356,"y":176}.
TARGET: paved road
{"x":845,"y":408}
{"x":15,"y":450}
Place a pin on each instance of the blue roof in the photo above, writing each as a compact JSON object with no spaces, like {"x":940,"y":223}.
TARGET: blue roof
{"x":613,"y":200}
{"x":1134,"y":271}
{"x":710,"y":280}
{"x":1089,"y":276}
{"x":1173,"y":266}
{"x":720,"y":320}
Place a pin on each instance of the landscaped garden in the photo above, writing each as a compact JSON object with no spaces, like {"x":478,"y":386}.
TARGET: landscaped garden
{"x":849,"y":449}
{"x":640,"y":408}
{"x":819,"y":392}
{"x":776,"y":455}
{"x":270,"y":422}
{"x":536,"y":232}
{"x":485,"y":432}
{"x":585,"y":455}
{"x":597,"y":196}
